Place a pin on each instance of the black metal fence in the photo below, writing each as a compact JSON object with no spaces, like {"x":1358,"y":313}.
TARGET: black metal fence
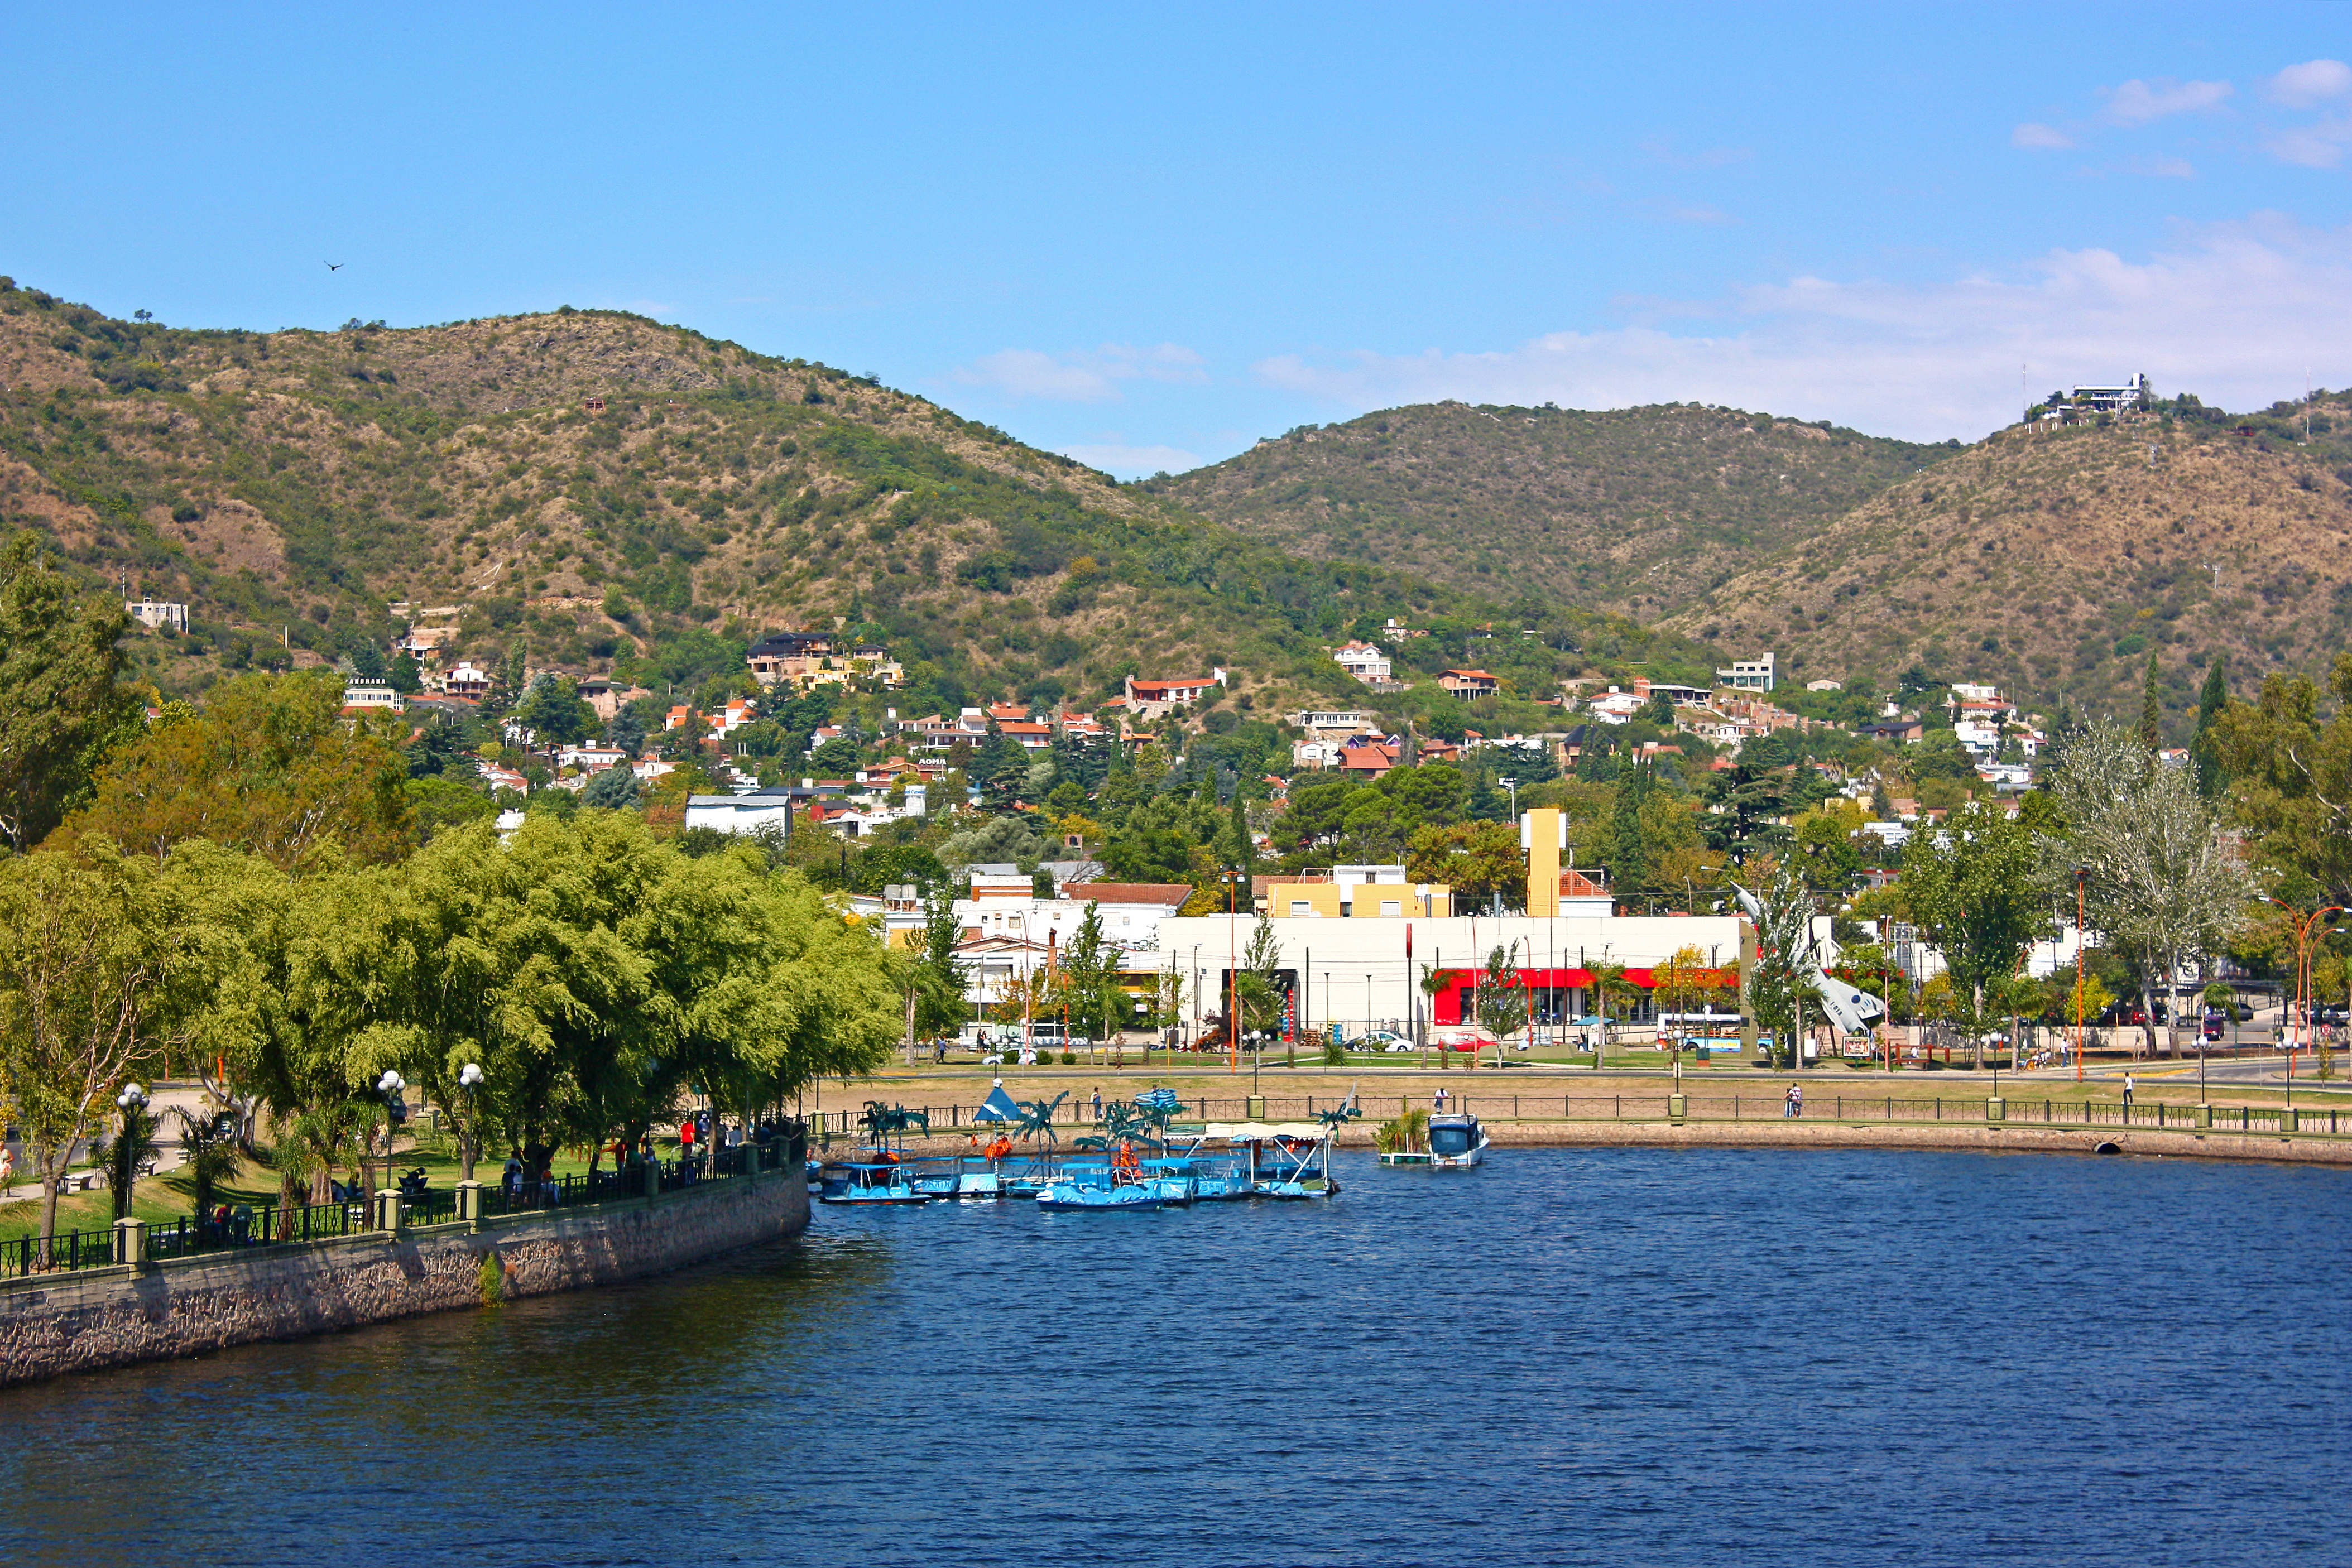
{"x":246,"y":1224}
{"x":2044,"y":1112}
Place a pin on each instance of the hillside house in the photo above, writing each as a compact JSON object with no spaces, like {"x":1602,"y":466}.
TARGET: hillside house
{"x":1331,"y":721}
{"x":1748,"y":674}
{"x":1028,"y":734}
{"x":159,"y":614}
{"x":1467,"y":684}
{"x":1368,"y":759}
{"x":1151,"y":700}
{"x":464,"y":680}
{"x":788,"y":656}
{"x":362,"y":695}
{"x":1364,"y":661}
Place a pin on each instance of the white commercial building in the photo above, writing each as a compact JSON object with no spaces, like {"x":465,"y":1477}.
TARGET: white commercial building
{"x":1362,"y":973}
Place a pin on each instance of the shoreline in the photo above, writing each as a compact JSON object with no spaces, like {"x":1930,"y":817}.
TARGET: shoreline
{"x":1822,"y":1132}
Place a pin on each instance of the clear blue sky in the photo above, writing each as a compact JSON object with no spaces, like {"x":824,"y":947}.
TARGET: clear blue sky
{"x":1150,"y":236}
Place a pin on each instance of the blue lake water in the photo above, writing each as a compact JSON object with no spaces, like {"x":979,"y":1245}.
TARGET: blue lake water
{"x":1607,"y":1357}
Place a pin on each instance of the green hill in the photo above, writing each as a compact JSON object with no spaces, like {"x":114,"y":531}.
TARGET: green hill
{"x":626,"y":495}
{"x":1642,"y":510}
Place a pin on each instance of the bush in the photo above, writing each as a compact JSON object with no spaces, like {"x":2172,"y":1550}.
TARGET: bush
{"x":1070,"y":1058}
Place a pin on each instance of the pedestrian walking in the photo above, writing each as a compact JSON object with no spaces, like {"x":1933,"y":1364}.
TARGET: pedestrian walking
{"x":2130,"y":1083}
{"x":1796,"y":1106}
{"x":1097,"y":1104}
{"x":1439,"y":1100}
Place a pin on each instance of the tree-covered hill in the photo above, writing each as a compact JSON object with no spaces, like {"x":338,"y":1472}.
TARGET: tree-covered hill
{"x":623,"y":493}
{"x":1642,"y":510}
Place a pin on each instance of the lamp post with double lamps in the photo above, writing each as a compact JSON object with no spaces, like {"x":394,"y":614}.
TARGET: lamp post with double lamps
{"x":1233,"y":881}
{"x":469,"y":1078}
{"x":395,"y":1112}
{"x":2299,"y":1006}
{"x":133,"y":1102}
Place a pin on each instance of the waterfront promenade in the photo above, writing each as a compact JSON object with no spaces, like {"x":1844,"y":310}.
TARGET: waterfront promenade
{"x":1536,"y":1106}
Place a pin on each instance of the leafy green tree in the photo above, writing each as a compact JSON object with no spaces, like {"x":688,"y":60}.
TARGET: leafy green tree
{"x":1261,"y":996}
{"x":61,"y":700}
{"x":627,"y":731}
{"x":1502,"y":1002}
{"x":105,"y":959}
{"x":611,"y":789}
{"x":554,"y":712}
{"x":2290,"y":782}
{"x":268,"y":765}
{"x":1615,"y":992}
{"x":1973,"y":886}
{"x":2204,"y":755}
{"x":941,"y":978}
{"x":1479,"y":860}
{"x":1783,"y":976}
{"x":2165,"y":883}
{"x":1090,"y":969}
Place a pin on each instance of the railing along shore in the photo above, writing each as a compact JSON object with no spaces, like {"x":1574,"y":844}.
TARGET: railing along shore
{"x":1852,"y":1109}
{"x":252,"y":1226}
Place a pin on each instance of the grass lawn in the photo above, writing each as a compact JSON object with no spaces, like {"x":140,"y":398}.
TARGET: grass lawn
{"x":167,"y":1199}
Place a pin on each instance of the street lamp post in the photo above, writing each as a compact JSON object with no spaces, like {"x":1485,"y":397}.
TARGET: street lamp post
{"x":2300,"y":1002}
{"x":132,"y":1102}
{"x":395,"y":1112}
{"x":2082,"y":876}
{"x":469,"y":1078}
{"x":1232,"y":880}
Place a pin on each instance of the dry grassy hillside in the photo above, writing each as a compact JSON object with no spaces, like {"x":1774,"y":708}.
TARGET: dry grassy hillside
{"x":1642,"y":510}
{"x":2050,"y":559}
{"x":300,"y":488}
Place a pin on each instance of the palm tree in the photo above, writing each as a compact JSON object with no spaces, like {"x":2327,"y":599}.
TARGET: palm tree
{"x":1611,"y":985}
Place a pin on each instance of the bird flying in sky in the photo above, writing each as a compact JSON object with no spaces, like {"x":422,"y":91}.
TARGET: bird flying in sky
{"x":334,"y":266}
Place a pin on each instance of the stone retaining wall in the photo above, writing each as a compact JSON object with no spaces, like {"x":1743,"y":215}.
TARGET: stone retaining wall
{"x":90,"y":1318}
{"x":1799,"y":1133}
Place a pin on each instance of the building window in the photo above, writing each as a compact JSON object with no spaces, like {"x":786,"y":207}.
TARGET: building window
{"x":1392,"y":907}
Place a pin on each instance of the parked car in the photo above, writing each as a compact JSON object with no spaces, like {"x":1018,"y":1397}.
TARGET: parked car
{"x":1380,"y":1039}
{"x":1464,"y":1039}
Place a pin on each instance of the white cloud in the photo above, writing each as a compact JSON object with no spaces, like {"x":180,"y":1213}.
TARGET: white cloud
{"x":2035,"y":134}
{"x":1090,"y":376}
{"x":2162,"y":168}
{"x":1134,"y":461}
{"x":2310,"y":84}
{"x":2234,"y":313}
{"x":2320,"y":145}
{"x":2137,"y":103}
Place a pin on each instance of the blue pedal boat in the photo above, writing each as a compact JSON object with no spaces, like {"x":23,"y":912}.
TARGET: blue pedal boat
{"x":870,"y":1182}
{"x":1103,"y":1184}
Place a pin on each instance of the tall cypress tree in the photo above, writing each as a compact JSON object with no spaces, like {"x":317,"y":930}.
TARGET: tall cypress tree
{"x":2203,"y":755}
{"x":2151,"y":712}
